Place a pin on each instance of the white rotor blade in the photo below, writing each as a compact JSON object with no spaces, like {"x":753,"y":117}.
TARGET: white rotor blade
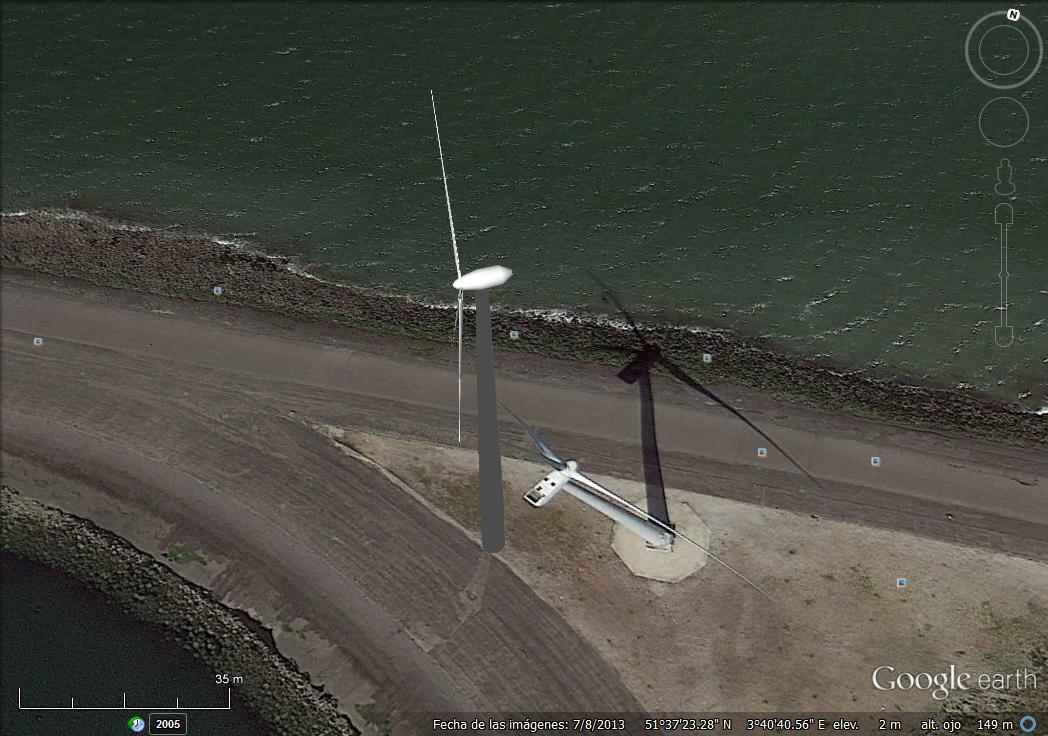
{"x":592,"y":485}
{"x":547,"y":452}
{"x":460,"y":366}
{"x":641,"y":527}
{"x":447,"y":195}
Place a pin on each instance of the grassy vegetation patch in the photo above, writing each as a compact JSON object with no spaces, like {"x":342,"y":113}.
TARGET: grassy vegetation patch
{"x":367,"y":712}
{"x":454,"y":492}
{"x":183,"y":555}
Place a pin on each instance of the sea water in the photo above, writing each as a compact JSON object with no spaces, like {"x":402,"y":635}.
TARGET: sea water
{"x":65,"y":644}
{"x":809,"y":173}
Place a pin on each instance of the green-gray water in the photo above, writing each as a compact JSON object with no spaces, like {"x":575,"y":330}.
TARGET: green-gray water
{"x":811,"y":173}
{"x":61,"y":640}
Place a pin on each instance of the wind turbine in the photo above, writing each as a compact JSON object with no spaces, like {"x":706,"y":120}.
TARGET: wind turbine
{"x":567,"y":476}
{"x":492,"y":507}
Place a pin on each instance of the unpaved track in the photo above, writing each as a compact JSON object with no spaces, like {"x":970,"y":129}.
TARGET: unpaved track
{"x":997,"y":495}
{"x":367,"y":565}
{"x":201,"y":425}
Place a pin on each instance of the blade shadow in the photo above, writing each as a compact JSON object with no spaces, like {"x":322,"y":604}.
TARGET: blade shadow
{"x":654,"y":355}
{"x":687,"y":380}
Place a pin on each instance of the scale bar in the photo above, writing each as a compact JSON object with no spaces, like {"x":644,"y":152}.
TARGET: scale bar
{"x":72,"y":705}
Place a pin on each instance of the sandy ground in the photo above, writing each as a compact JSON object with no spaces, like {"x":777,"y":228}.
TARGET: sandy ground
{"x":709,"y":642}
{"x":179,"y":424}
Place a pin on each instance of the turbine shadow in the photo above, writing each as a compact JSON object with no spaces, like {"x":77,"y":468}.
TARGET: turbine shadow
{"x":639,"y":372}
{"x":652,"y":355}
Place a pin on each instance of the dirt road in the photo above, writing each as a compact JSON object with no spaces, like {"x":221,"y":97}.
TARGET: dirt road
{"x":193,"y":416}
{"x":414,"y":605}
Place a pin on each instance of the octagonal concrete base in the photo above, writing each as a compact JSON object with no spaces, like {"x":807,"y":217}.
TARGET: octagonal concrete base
{"x":667,"y":567}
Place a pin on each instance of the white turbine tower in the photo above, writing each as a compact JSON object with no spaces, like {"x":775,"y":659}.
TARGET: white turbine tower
{"x":492,"y":522}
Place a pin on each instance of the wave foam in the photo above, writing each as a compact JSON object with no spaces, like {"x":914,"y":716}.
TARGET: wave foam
{"x":555,"y":315}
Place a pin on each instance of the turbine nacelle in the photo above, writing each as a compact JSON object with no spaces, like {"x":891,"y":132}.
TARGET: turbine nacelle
{"x":552,"y":484}
{"x":483,"y":278}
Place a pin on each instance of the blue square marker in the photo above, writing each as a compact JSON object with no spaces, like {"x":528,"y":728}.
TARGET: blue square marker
{"x":38,"y":341}
{"x":875,"y":461}
{"x":902,"y":583}
{"x":762,"y":452}
{"x":707,"y":358}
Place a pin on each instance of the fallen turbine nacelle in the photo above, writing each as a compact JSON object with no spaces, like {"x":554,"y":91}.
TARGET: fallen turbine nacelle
{"x":550,"y":485}
{"x":656,"y":533}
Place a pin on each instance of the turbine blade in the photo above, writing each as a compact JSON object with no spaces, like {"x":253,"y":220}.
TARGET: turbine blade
{"x":687,"y":380}
{"x":591,"y":485}
{"x":447,"y":194}
{"x":547,"y":452}
{"x":460,"y":366}
{"x":594,"y":487}
{"x":521,"y":448}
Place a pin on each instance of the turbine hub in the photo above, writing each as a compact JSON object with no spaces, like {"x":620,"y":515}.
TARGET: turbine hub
{"x":483,"y":278}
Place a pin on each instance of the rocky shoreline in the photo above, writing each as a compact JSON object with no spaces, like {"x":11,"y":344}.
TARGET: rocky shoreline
{"x":224,"y":639}
{"x":186,"y":265}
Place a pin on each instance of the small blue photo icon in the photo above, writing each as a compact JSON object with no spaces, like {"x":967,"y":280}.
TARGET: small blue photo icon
{"x":762,"y":452}
{"x":707,"y":358}
{"x":901,"y":582}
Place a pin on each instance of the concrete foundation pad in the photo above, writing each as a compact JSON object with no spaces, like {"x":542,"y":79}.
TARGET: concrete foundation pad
{"x":668,"y":567}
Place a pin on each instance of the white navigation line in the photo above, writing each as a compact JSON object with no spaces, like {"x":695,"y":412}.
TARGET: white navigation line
{"x":73,"y":706}
{"x":1004,"y":274}
{"x":1004,"y":216}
